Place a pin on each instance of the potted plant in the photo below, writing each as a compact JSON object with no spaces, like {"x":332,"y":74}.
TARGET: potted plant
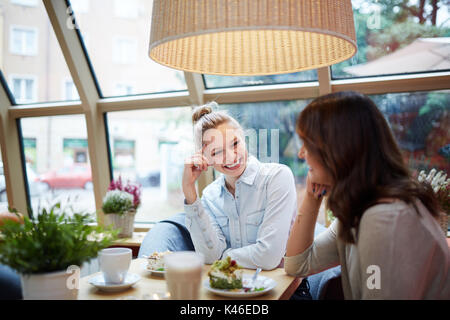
{"x":119,"y":206}
{"x":441,"y":188}
{"x":49,"y":250}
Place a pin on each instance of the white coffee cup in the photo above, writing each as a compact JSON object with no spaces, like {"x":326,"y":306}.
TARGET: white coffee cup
{"x":114,"y":263}
{"x":183,"y":274}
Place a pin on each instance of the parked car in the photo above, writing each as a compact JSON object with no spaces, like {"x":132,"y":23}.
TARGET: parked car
{"x":74,"y":176}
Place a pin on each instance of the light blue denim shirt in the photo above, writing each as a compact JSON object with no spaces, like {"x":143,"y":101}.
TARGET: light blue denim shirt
{"x":252,"y":227}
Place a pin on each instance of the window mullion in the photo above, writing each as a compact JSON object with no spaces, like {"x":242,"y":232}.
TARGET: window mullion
{"x":85,"y":83}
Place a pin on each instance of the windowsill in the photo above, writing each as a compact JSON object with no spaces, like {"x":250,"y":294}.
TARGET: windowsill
{"x":143,"y":226}
{"x":140,"y":230}
{"x":138,"y":226}
{"x":134,"y":241}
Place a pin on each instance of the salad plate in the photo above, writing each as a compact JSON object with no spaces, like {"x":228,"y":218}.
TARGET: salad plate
{"x":261,"y":286}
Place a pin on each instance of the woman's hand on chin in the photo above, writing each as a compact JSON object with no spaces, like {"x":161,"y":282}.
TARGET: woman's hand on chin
{"x":316,"y":190}
{"x":193,"y":167}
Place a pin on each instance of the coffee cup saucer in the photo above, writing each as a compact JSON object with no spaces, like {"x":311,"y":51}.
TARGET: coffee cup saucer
{"x":98,"y":281}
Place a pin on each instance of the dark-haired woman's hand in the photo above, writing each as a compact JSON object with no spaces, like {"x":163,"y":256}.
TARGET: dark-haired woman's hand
{"x":316,"y":190}
{"x":193,"y":167}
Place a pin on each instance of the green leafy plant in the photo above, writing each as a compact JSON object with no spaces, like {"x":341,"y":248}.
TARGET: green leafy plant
{"x":52,"y":242}
{"x":117,"y":201}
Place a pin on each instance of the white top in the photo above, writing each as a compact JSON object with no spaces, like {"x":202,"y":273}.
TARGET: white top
{"x":253,"y":226}
{"x":399,"y":254}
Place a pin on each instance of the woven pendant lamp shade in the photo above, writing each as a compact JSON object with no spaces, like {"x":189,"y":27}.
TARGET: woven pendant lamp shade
{"x":251,"y":37}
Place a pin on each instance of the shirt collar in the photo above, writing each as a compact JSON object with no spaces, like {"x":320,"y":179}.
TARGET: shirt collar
{"x":249,"y":174}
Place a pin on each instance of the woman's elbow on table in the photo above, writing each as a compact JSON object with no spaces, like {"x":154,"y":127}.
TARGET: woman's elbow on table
{"x":294,"y":269}
{"x":267,"y":260}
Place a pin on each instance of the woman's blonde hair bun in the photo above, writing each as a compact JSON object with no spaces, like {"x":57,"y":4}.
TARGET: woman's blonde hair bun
{"x":201,"y":111}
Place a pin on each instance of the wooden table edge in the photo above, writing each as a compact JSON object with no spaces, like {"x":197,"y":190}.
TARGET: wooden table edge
{"x":287,"y":294}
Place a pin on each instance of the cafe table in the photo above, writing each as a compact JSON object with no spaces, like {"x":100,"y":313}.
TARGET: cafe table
{"x":151,"y":284}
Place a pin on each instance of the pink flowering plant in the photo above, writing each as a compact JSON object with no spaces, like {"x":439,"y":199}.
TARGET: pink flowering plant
{"x":131,"y":188}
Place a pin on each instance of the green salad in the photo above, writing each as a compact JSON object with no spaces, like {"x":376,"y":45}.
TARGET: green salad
{"x":225,"y":274}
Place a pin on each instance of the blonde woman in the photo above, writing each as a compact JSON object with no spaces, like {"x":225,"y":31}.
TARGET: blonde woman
{"x":247,"y":212}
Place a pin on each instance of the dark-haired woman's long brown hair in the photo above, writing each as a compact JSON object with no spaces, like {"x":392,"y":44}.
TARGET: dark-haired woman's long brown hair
{"x":349,"y":135}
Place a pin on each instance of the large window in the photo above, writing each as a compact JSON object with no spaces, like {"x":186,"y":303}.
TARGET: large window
{"x":149,"y":147}
{"x":31,"y":58}
{"x":119,"y":32}
{"x":57,"y":162}
{"x":397,"y":37}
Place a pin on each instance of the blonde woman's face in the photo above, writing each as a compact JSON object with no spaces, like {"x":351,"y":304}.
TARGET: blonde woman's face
{"x":224,"y":147}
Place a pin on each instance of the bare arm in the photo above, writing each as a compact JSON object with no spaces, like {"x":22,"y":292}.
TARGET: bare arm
{"x":306,"y":255}
{"x":302,"y":232}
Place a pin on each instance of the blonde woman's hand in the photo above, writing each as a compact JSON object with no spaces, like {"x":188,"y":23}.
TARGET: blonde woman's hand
{"x":193,"y":167}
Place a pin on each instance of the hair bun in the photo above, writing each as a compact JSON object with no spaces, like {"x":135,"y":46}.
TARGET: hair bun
{"x":201,"y":111}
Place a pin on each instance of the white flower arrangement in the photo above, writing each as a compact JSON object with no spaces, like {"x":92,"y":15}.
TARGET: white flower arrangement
{"x":437,"y":181}
{"x":440,"y":185}
{"x":116,"y":201}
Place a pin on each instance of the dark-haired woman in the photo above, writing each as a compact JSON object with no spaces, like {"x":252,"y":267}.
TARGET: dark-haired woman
{"x":385,"y":237}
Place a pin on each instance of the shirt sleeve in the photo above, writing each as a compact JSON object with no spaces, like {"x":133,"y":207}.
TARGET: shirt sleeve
{"x":322,"y":254}
{"x":206,"y":234}
{"x":273,"y":232}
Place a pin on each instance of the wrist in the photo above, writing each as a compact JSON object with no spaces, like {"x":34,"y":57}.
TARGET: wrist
{"x":310,"y":205}
{"x":190,"y":195}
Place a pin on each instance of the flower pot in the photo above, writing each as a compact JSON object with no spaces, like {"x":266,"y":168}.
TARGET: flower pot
{"x":49,"y":286}
{"x":124,"y":222}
